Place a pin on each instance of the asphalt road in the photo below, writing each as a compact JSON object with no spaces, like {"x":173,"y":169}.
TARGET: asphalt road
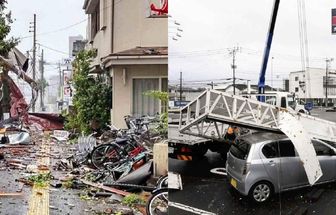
{"x":62,"y":201}
{"x":213,"y":193}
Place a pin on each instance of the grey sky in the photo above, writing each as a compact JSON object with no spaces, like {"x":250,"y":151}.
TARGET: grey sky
{"x":51,"y":15}
{"x":211,"y":27}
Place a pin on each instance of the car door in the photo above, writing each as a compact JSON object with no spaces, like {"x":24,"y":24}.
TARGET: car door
{"x":327,"y":159}
{"x":292,"y":172}
{"x":270,"y":159}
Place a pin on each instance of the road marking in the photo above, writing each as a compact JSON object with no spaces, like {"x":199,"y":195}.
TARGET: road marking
{"x":219,"y":171}
{"x":189,"y":208}
{"x":39,"y":200}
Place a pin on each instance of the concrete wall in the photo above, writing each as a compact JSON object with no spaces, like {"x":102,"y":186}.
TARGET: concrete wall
{"x":102,"y":41}
{"x":295,"y":84}
{"x":131,"y":27}
{"x":313,"y":78}
{"x":122,"y":90}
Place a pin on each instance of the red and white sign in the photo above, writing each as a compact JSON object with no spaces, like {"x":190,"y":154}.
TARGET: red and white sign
{"x":162,"y":10}
{"x":157,"y":8}
{"x":67,"y":91}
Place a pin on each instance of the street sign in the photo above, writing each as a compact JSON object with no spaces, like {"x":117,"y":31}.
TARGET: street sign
{"x":309,"y":106}
{"x":180,"y":103}
{"x":333,"y":21}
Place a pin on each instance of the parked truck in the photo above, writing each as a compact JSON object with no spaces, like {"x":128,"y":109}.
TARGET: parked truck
{"x":187,"y":147}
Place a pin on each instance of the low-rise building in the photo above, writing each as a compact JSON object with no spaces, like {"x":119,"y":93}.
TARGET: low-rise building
{"x":132,"y":47}
{"x":311,"y":85}
{"x":244,"y":89}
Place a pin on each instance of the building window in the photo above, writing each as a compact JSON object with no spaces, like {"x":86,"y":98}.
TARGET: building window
{"x":296,"y":89}
{"x":95,"y":21}
{"x":142,"y":104}
{"x":147,"y":105}
{"x":296,"y":78}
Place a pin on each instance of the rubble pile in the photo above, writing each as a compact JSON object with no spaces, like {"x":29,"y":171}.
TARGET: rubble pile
{"x":119,"y":184}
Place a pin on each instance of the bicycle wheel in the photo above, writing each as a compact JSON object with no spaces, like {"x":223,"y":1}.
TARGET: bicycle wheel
{"x":162,"y":182}
{"x":105,"y":153}
{"x":158,"y":202}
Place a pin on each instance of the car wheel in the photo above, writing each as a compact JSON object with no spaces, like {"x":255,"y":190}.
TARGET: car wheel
{"x":261,"y":192}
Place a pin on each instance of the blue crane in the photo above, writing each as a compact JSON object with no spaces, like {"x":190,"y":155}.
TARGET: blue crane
{"x":261,"y":82}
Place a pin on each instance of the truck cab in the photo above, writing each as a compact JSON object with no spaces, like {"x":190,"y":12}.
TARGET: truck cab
{"x":283,"y":100}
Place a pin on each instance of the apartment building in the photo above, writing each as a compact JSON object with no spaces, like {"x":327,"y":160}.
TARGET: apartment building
{"x":132,"y":47}
{"x":311,"y":85}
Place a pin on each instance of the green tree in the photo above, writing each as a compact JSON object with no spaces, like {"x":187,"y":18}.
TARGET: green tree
{"x":6,"y":44}
{"x":92,"y":97}
{"x":163,"y":123}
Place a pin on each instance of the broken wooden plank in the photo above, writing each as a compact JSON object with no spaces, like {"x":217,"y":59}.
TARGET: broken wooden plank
{"x":106,"y":188}
{"x":10,"y":194}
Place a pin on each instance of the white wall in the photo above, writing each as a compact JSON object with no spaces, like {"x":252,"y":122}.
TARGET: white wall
{"x":313,"y":78}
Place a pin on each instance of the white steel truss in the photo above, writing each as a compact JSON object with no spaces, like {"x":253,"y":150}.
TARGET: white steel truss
{"x":209,"y":115}
{"x":212,"y":111}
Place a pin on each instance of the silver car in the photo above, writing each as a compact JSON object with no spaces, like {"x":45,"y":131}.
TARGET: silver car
{"x":261,"y":164}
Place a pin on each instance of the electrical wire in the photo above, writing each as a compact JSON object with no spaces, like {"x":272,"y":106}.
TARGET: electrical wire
{"x":55,"y":31}
{"x":68,"y":26}
{"x":52,"y":49}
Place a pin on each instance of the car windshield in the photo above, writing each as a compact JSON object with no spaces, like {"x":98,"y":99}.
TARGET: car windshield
{"x":240,"y":149}
{"x":291,"y":101}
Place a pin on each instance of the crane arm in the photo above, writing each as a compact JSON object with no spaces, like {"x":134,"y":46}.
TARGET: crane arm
{"x":261,"y":83}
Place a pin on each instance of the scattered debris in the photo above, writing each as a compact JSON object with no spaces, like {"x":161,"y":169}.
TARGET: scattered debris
{"x":10,"y":194}
{"x":60,"y":135}
{"x":32,"y":168}
{"x":40,"y":180}
{"x":132,"y":200}
{"x":219,"y":171}
{"x":56,"y":184}
{"x":114,"y":198}
{"x":106,"y":188}
{"x":174,"y":181}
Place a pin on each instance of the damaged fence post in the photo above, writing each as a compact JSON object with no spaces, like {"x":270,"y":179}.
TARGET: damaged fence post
{"x":160,"y":159}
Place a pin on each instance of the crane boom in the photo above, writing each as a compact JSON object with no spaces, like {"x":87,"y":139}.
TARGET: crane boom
{"x":261,"y":83}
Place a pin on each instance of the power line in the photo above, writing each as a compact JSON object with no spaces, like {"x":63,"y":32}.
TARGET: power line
{"x":54,"y":31}
{"x":55,"y":50}
{"x":67,"y":27}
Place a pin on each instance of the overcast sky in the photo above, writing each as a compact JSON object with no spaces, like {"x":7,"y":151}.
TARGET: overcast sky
{"x":52,"y":16}
{"x":211,"y":27}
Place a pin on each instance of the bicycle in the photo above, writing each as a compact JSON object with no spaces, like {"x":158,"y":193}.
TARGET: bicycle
{"x":121,"y":168}
{"x":158,"y":202}
{"x":117,"y":150}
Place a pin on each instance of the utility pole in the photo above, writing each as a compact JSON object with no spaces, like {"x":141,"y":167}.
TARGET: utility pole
{"x":42,"y":81}
{"x":60,"y":84}
{"x":328,"y":61}
{"x":34,"y":53}
{"x":180,"y":86}
{"x":233,"y":52}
